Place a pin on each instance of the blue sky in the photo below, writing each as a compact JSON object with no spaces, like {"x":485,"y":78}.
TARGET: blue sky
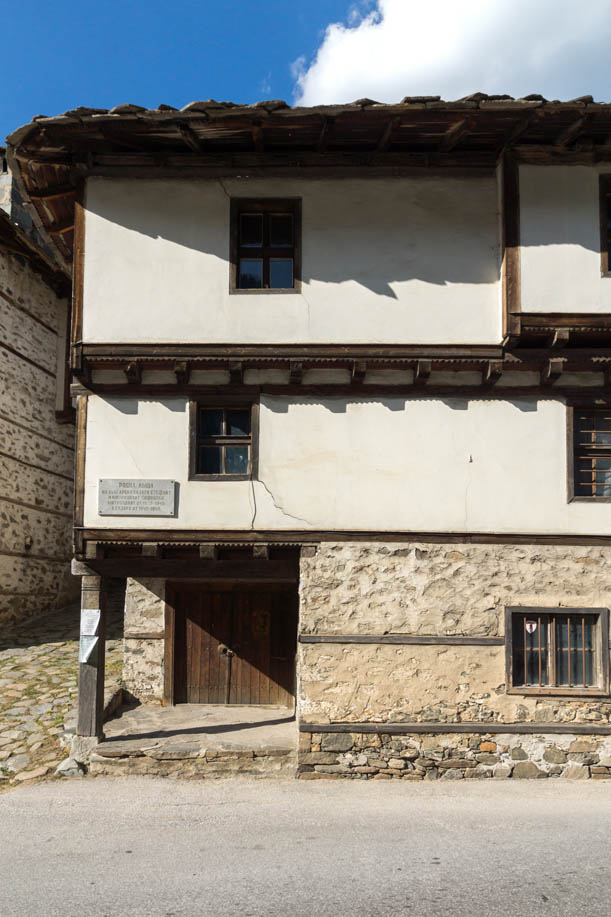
{"x":64,"y":54}
{"x":59,"y":54}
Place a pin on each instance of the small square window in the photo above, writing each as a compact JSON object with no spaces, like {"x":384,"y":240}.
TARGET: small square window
{"x":557,"y":651}
{"x":265,"y":245}
{"x":223,"y":441}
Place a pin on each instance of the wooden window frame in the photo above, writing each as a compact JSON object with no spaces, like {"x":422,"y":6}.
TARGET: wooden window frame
{"x":604,"y":199}
{"x":601,"y":652}
{"x":264,"y":205}
{"x":579,"y":407}
{"x":225,"y":403}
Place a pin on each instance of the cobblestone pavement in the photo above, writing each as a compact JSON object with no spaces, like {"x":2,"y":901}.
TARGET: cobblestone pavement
{"x":38,"y":689}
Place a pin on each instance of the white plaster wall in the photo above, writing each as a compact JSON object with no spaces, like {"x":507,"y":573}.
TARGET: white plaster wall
{"x":384,"y":260}
{"x":560,"y":239}
{"x":369,"y":464}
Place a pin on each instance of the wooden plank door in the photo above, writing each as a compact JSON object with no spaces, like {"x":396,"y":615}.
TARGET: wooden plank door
{"x":235,"y":645}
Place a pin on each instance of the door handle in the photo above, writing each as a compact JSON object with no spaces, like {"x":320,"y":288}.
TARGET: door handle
{"x":225,"y":651}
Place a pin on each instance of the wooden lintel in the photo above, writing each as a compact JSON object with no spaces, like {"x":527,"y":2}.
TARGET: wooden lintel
{"x":454,"y":134}
{"x":570,"y":133}
{"x":325,"y":132}
{"x":492,"y":372}
{"x":236,"y":372}
{"x":552,"y":370}
{"x":182,"y":371}
{"x":257,"y":137}
{"x":422,"y":371}
{"x":208,"y":552}
{"x":389,"y":131}
{"x":559,"y":338}
{"x":296,"y":372}
{"x":151,"y":549}
{"x":260,"y":551}
{"x":358,"y":372}
{"x":133,"y":372}
{"x":58,"y":228}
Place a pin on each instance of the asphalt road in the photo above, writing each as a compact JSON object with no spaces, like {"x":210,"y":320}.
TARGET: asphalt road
{"x":132,"y":846}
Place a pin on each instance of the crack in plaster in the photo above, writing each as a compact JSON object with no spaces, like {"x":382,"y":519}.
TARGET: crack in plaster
{"x":276,"y":505}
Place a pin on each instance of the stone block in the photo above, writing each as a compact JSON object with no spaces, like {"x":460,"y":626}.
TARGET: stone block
{"x":317,"y":757}
{"x":502,"y":771}
{"x":487,"y":758}
{"x":81,"y":748}
{"x":487,"y":746}
{"x":382,"y":777}
{"x":518,"y":754}
{"x":582,"y":745}
{"x":576,"y":772}
{"x":457,"y":763}
{"x":331,"y":769}
{"x":70,"y":768}
{"x":554,"y":755}
{"x":337,"y":741}
{"x":396,"y":763}
{"x":527,"y":770}
{"x":598,"y":769}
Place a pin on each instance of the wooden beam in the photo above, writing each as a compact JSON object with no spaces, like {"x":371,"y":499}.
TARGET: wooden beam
{"x":236,"y":372}
{"x":570,"y":133}
{"x":511,"y":282}
{"x":492,"y":372}
{"x":57,"y":229}
{"x":133,"y":372}
{"x":296,"y":372}
{"x":190,"y":138}
{"x":257,"y":137}
{"x":402,"y":639}
{"x":91,"y":672}
{"x":437,"y":728}
{"x":358,"y":372}
{"x":52,"y":193}
{"x":422,"y":372}
{"x":455,"y":133}
{"x":325,"y":133}
{"x":386,"y":138}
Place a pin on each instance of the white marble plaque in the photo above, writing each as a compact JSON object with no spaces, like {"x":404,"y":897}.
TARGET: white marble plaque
{"x":86,"y":648}
{"x":136,"y":497}
{"x":90,"y":621}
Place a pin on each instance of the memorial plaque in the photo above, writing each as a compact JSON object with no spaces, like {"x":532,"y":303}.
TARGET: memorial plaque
{"x":136,"y":497}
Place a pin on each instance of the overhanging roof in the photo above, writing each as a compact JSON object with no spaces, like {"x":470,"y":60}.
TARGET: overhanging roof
{"x":51,"y":155}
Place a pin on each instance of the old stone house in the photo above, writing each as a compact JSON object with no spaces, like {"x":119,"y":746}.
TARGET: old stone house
{"x":36,"y":419}
{"x":344,"y":423}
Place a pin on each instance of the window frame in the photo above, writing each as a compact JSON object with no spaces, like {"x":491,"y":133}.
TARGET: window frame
{"x":226,"y":403}
{"x":263,"y":205}
{"x":604,"y":201}
{"x":586,"y":407}
{"x":601,"y":645}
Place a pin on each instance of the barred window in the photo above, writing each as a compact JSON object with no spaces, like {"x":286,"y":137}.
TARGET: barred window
{"x":592,"y":453}
{"x":557,"y":651}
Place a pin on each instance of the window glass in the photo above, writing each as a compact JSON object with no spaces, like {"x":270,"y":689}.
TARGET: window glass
{"x":210,"y":460}
{"x":281,"y":273}
{"x":211,"y":423}
{"x":238,"y":423}
{"x":281,"y":230}
{"x":251,"y":274}
{"x":236,"y":460}
{"x":251,"y":230}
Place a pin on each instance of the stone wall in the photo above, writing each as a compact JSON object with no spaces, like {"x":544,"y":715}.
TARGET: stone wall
{"x":434,"y":590}
{"x":452,"y":757}
{"x":143,"y":662}
{"x":36,"y":465}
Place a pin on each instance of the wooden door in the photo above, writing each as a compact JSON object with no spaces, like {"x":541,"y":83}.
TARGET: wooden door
{"x":234,"y":645}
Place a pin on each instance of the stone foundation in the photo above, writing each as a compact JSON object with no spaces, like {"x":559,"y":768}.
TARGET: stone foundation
{"x":143,"y":659}
{"x":452,"y":757}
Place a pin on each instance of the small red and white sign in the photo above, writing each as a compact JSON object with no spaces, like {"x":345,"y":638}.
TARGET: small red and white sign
{"x":531,"y":627}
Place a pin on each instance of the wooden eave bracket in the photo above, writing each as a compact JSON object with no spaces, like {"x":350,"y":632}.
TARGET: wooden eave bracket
{"x":94,"y":550}
{"x":152,"y":549}
{"x":422,"y":372}
{"x":492,"y":372}
{"x":455,"y":133}
{"x":236,"y":372}
{"x":552,"y":370}
{"x":560,"y":338}
{"x":295,"y":372}
{"x":208,"y":552}
{"x":570,"y":133}
{"x":133,"y":373}
{"x":358,"y":372}
{"x":260,"y":552}
{"x":182,"y":371}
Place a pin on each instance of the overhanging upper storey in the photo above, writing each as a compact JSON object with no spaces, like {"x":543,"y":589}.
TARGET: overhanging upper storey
{"x":51,"y":156}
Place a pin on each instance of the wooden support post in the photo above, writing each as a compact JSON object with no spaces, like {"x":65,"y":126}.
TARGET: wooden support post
{"x":91,"y":672}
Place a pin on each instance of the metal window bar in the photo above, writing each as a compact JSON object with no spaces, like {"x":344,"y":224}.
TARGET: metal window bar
{"x":592,"y":453}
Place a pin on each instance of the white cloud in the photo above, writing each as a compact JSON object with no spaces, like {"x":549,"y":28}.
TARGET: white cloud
{"x":451,"y":48}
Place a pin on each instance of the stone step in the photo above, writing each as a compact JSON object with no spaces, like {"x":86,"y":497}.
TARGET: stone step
{"x":192,"y":762}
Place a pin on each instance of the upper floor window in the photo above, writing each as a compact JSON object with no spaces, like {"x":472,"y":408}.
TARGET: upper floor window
{"x":591,"y":456}
{"x":557,"y":651}
{"x":605,"y":224}
{"x":265,"y":245}
{"x":223,"y":440}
